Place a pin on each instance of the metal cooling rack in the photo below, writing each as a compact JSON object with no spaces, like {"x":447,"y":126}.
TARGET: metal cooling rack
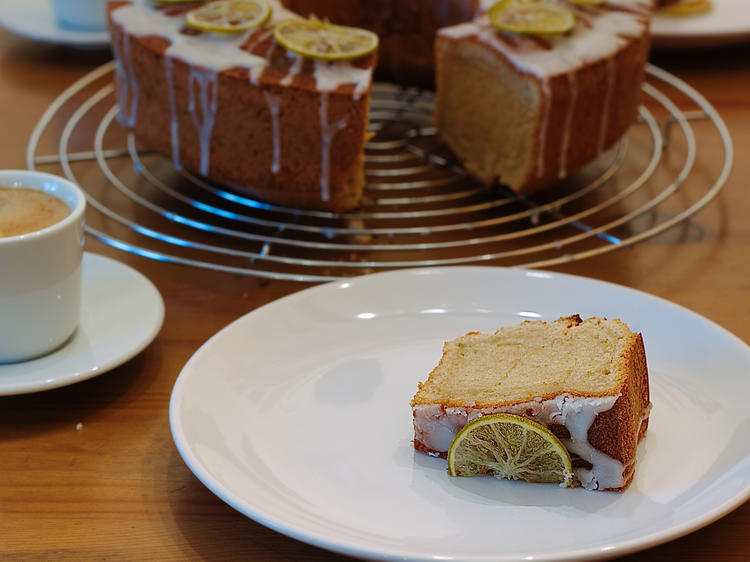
{"x":420,"y":209}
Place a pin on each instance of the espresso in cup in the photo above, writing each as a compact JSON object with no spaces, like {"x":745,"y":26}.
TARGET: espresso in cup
{"x":41,"y":253}
{"x":27,"y":210}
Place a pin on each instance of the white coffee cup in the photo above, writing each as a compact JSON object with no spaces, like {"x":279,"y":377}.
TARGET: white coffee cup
{"x":86,"y":15}
{"x":40,"y":273}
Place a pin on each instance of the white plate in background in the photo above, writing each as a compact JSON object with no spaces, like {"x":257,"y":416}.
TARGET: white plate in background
{"x":35,"y":19}
{"x":727,"y":23}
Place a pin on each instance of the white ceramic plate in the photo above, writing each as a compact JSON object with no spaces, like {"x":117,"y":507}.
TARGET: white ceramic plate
{"x":298,"y":416}
{"x":121,"y":313}
{"x":726,"y":24}
{"x":34,"y":19}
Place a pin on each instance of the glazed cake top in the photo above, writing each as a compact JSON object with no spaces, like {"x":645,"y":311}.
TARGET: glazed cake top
{"x":254,"y":50}
{"x":600,"y":31}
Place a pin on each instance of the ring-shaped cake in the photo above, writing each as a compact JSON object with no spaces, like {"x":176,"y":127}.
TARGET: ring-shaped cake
{"x":525,"y":110}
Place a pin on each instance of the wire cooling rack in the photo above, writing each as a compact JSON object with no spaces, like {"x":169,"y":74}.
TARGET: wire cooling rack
{"x":420,"y":209}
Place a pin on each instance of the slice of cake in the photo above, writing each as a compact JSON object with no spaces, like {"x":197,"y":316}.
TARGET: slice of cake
{"x":586,"y":381}
{"x":240,"y":108}
{"x":541,"y":105}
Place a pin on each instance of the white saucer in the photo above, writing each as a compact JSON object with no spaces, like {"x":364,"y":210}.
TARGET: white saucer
{"x":121,"y":313}
{"x":34,"y":19}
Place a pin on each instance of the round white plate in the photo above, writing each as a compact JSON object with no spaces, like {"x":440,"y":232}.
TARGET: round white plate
{"x":121,"y":313}
{"x":726,"y":24}
{"x":34,"y":19}
{"x":298,"y":416}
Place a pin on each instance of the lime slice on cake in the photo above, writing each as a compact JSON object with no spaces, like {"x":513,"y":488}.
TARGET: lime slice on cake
{"x":512,"y":447}
{"x":322,"y":40}
{"x":529,"y":16}
{"x":686,"y":8}
{"x":229,"y":16}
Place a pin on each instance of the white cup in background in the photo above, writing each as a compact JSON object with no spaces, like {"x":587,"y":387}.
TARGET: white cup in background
{"x":40,"y":273}
{"x":85,"y":15}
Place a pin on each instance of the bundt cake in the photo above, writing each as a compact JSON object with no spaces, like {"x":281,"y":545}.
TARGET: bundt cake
{"x":525,"y":110}
{"x":587,"y":381}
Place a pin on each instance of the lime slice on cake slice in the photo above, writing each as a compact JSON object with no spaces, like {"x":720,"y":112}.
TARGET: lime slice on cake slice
{"x":530,"y":16}
{"x":512,"y":447}
{"x":229,"y":16}
{"x":322,"y":40}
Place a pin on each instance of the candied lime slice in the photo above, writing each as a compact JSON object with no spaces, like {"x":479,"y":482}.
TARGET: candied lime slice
{"x":686,"y":8}
{"x":530,"y":16}
{"x":229,"y":16}
{"x":322,"y":40}
{"x":510,"y":446}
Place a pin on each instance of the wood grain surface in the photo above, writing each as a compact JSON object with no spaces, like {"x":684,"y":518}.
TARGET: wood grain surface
{"x":115,"y":488}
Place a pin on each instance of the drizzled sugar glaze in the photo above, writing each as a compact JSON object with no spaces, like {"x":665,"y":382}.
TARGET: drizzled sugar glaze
{"x":435,"y":426}
{"x":208,"y":55}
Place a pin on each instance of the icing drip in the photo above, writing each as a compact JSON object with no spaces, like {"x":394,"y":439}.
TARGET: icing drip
{"x":563,"y":169}
{"x":435,"y":427}
{"x":577,"y":416}
{"x":133,"y":83}
{"x":257,"y":70}
{"x":274,"y":107}
{"x":174,"y":124}
{"x":329,"y":76}
{"x":546,"y":104}
{"x":327,"y":132}
{"x":605,"y":104}
{"x":207,"y":83}
{"x":294,"y":70}
{"x":127,"y":85}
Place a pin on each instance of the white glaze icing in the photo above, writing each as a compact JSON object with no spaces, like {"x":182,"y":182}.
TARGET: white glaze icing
{"x":605,"y":104}
{"x":435,"y":427}
{"x":562,"y":170}
{"x":294,"y":70}
{"x":174,"y":130}
{"x":546,"y":96}
{"x":206,"y":80}
{"x":127,"y":83}
{"x":257,"y":70}
{"x":274,"y":106}
{"x":328,"y":131}
{"x":133,"y":111}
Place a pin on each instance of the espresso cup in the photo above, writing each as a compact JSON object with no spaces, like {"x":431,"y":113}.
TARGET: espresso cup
{"x":40,"y":273}
{"x":84,"y":15}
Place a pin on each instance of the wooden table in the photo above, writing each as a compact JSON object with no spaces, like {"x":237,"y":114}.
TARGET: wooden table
{"x":116,"y":488}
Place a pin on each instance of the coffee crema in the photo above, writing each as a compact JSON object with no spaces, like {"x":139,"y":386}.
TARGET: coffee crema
{"x":25,"y":210}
